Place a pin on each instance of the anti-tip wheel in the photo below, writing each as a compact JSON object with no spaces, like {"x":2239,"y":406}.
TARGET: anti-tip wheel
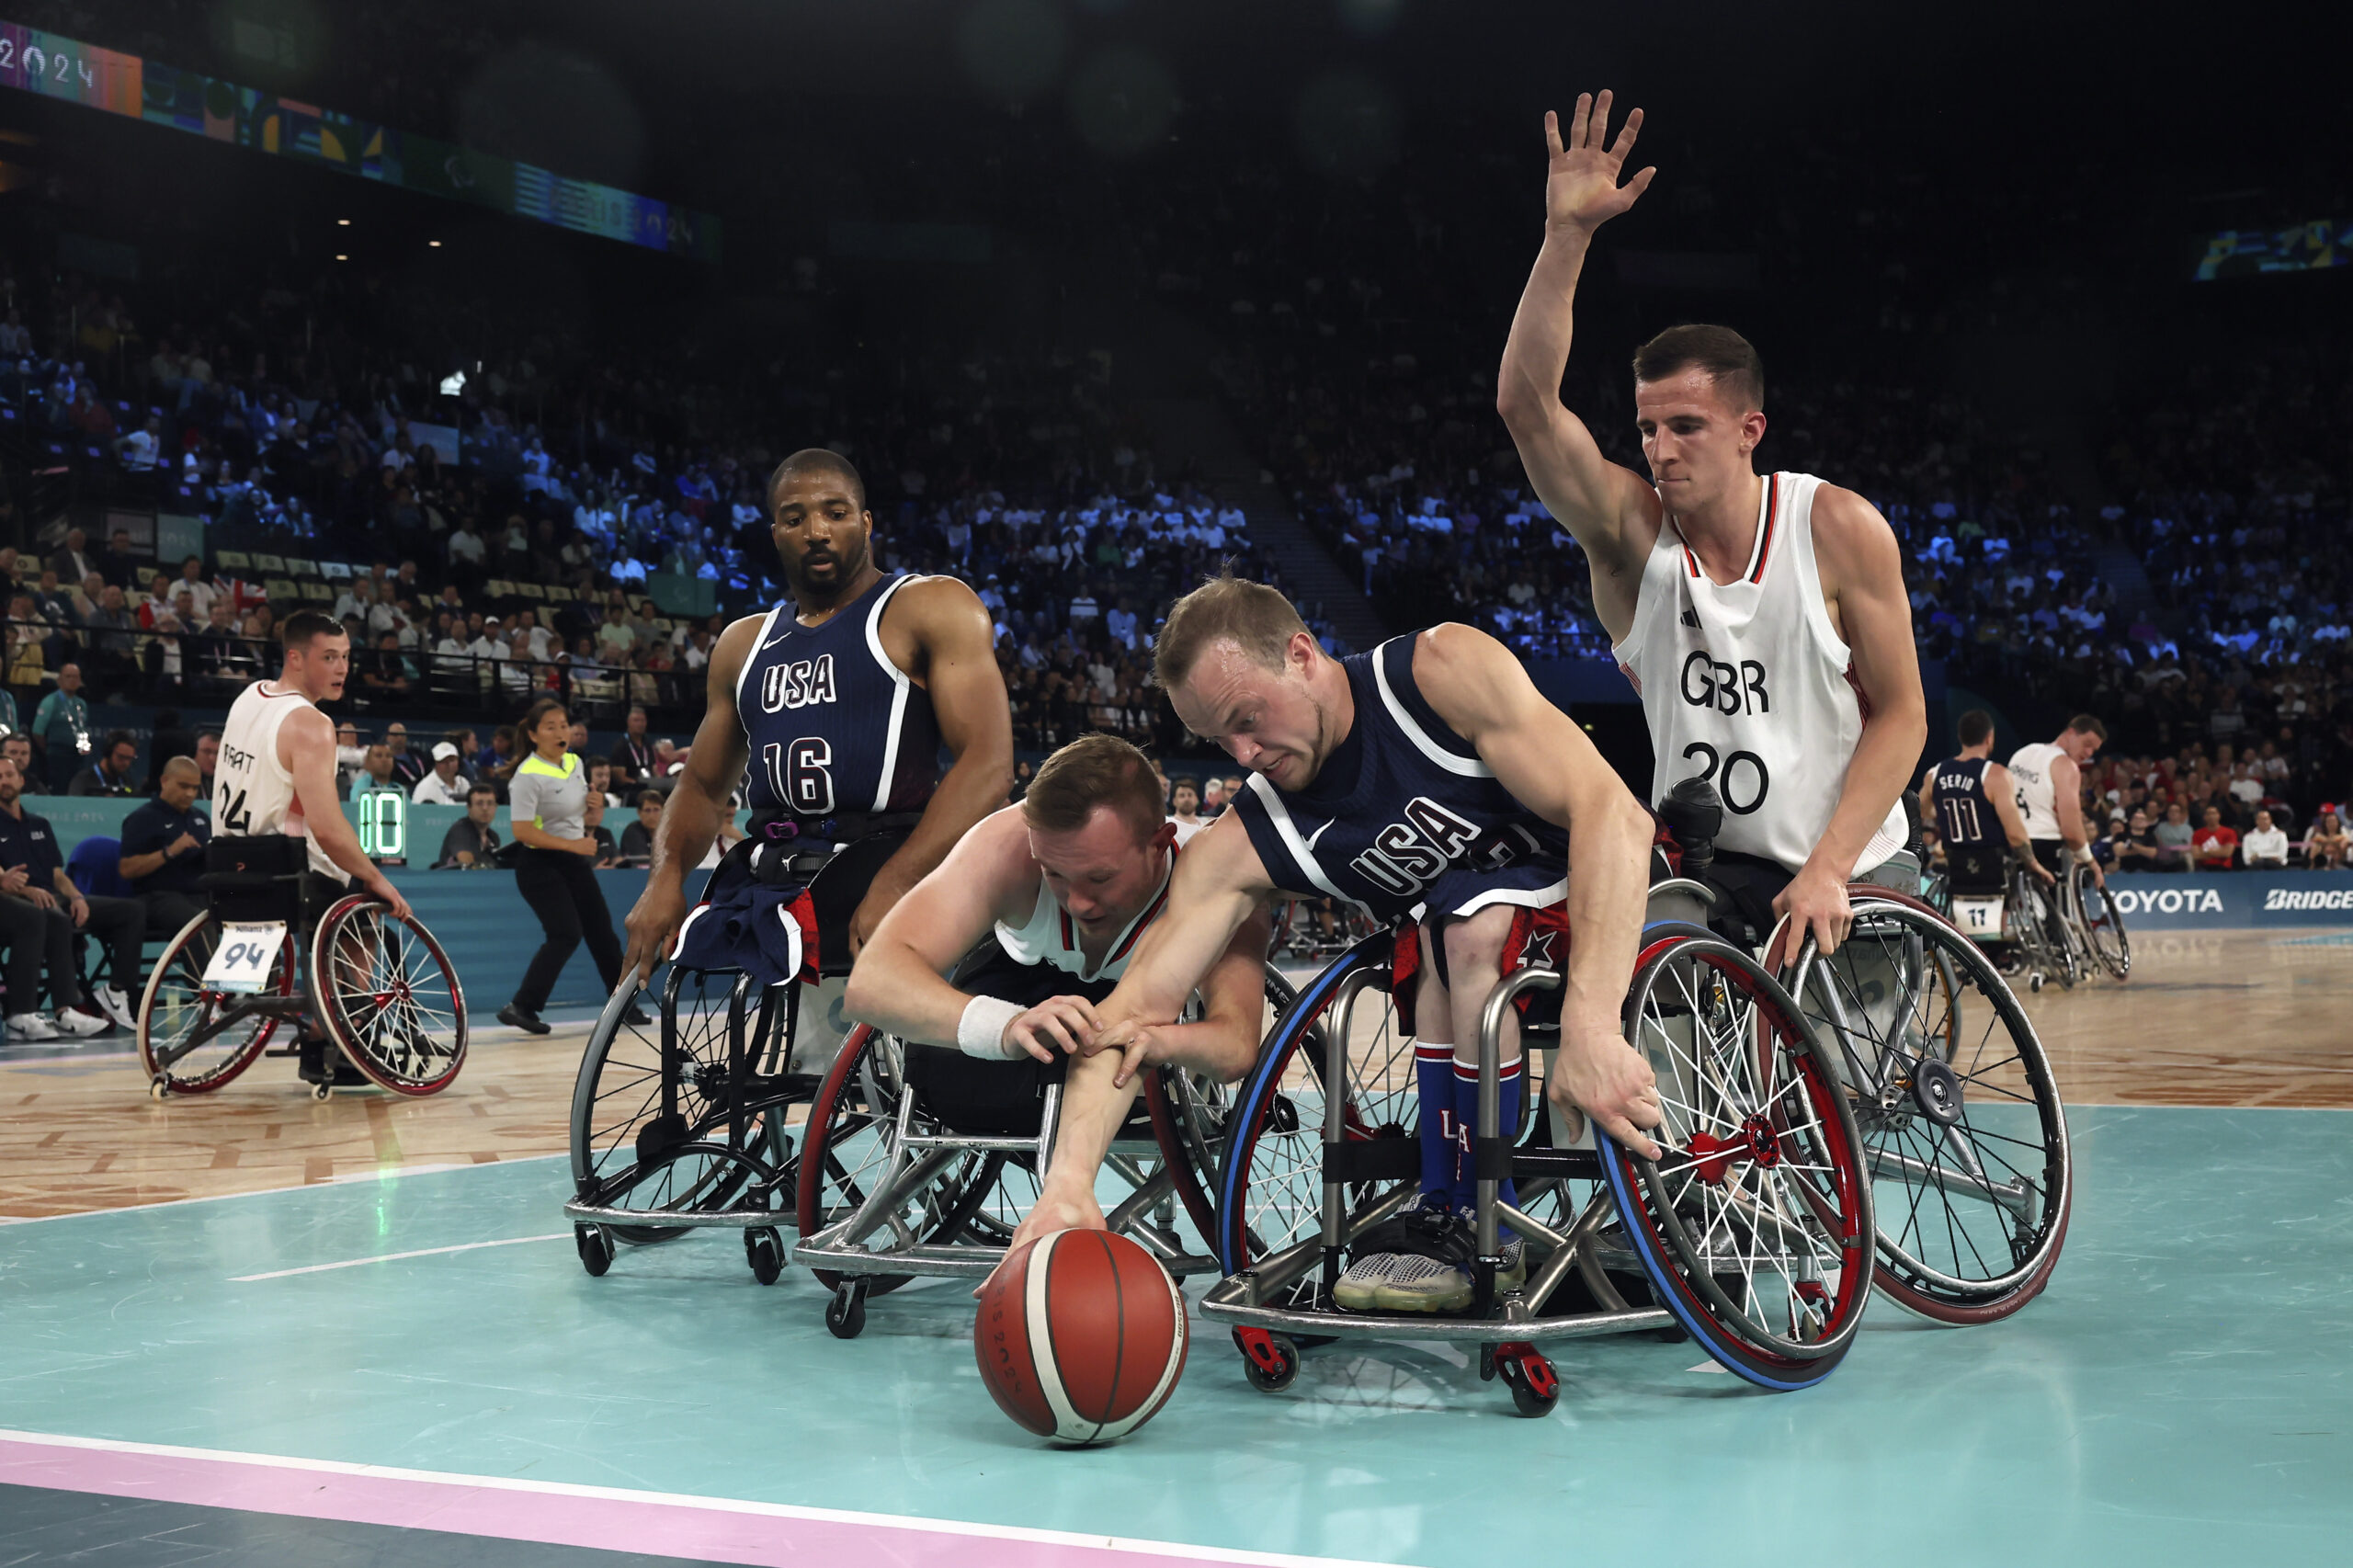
{"x":159,"y":1087}
{"x":1535,"y":1388}
{"x":322,"y":1091}
{"x":596,"y":1247}
{"x":1269,"y":1360}
{"x":845,"y":1313}
{"x":765,"y":1250}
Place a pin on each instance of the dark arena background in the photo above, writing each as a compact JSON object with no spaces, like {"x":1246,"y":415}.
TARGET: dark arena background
{"x":481,"y":330}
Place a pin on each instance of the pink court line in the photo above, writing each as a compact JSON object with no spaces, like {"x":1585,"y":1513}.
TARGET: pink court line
{"x":711,"y":1530}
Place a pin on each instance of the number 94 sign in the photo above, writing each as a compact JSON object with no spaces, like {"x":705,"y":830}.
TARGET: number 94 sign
{"x":246,"y":956}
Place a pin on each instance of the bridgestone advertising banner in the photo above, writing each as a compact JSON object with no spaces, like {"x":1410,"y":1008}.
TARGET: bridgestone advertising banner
{"x":2153,"y":902}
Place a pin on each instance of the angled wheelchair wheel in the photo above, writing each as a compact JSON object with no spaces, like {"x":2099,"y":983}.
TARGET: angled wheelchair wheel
{"x":1271,"y":1178}
{"x":2101,"y":922}
{"x":388,"y":997}
{"x":851,"y":1154}
{"x":686,"y":1111}
{"x":1755,"y":1223}
{"x":1189,"y":1116}
{"x":192,"y":1039}
{"x":1962,"y":1128}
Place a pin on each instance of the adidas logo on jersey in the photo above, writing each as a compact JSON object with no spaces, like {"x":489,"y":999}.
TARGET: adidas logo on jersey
{"x":1691,"y":619}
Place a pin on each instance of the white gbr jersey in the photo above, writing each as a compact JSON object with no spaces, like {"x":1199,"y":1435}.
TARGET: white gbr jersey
{"x":1050,"y":937}
{"x":253,"y":792}
{"x":2030,"y":766}
{"x":1746,"y":685}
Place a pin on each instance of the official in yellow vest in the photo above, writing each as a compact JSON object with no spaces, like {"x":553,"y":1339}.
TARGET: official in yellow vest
{"x":547,"y":795}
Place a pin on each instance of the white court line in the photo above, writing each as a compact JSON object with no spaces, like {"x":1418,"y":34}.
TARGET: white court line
{"x":396,"y":1256}
{"x":972,"y":1530}
{"x":379,"y":1174}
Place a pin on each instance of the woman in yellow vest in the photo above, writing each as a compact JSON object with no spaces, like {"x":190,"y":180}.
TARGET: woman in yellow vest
{"x":547,"y":794}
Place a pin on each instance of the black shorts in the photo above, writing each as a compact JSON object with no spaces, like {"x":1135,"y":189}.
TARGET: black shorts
{"x":2054,"y":854}
{"x":973,"y":1094}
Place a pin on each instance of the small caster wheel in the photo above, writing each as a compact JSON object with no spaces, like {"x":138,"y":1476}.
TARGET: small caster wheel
{"x":159,"y":1087}
{"x":1269,"y":1360}
{"x":322,"y":1091}
{"x":845,"y":1313}
{"x":2034,"y":982}
{"x":595,"y":1245}
{"x":765,"y":1249}
{"x":1534,"y":1388}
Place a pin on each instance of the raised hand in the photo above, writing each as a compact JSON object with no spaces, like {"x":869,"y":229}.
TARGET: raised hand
{"x":1582,"y":190}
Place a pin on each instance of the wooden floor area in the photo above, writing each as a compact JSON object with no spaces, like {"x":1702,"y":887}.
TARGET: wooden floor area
{"x":2216,"y":1018}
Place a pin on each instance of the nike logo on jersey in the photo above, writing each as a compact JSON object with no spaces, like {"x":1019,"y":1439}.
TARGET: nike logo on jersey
{"x":1316,"y":834}
{"x":797,"y":684}
{"x":780,"y":637}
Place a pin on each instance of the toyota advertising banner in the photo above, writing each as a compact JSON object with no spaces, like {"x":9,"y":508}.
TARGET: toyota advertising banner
{"x":2150,"y":901}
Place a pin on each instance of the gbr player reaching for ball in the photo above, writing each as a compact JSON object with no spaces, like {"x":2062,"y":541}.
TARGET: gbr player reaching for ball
{"x":1762,"y":618}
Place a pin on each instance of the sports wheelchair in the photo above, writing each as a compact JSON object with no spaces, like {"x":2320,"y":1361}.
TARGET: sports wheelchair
{"x":686,"y":1119}
{"x":2093,"y":915}
{"x":1748,"y":1234}
{"x":922,"y":1160}
{"x":349,"y":979}
{"x":1994,"y":897}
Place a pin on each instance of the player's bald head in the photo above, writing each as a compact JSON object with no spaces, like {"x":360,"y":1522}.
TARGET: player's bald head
{"x":815,"y":463}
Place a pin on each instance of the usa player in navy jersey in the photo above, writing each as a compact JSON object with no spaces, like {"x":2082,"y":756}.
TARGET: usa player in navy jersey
{"x":839,"y":698}
{"x":1973,"y":802}
{"x":1429,"y":773}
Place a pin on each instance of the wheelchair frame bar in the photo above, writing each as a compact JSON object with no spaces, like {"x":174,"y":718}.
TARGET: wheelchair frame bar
{"x":2013,"y":1196}
{"x":1245,"y":1298}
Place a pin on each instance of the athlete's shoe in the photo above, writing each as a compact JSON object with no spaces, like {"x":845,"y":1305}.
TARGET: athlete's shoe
{"x":115,"y":1005}
{"x":79,"y":1020}
{"x":1375,"y":1260}
{"x":30,"y":1026}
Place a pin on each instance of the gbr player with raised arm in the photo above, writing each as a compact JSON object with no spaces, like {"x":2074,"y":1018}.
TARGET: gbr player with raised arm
{"x":1762,"y":618}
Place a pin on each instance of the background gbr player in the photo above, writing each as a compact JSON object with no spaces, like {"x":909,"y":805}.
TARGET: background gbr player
{"x":1761,"y":616}
{"x":839,"y":698}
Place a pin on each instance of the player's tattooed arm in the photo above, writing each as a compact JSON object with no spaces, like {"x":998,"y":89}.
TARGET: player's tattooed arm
{"x":1612,"y":511}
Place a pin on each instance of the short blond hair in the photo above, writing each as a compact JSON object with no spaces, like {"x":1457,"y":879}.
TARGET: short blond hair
{"x":1253,"y":616}
{"x":1094,"y":770}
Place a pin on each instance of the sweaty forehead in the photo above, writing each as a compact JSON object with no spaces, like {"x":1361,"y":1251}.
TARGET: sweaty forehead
{"x":1224,"y":681}
{"x":814,"y":487}
{"x":1689,"y":391}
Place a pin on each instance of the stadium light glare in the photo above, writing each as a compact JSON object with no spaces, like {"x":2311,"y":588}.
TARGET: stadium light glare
{"x":435,"y":244}
{"x":343,"y":222}
{"x":455,"y":381}
{"x":341,"y":257}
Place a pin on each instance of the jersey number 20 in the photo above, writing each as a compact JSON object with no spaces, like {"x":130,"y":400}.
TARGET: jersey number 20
{"x":1739,"y":761}
{"x":801,"y":775}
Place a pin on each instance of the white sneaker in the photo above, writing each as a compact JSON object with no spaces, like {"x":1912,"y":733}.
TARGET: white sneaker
{"x":30,"y":1026}
{"x":75,"y":1021}
{"x":115,"y":1005}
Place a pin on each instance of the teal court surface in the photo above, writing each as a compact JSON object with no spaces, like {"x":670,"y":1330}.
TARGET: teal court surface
{"x":417,"y":1370}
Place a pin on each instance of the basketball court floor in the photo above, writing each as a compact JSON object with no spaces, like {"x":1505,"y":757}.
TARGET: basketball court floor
{"x":260,"y":1329}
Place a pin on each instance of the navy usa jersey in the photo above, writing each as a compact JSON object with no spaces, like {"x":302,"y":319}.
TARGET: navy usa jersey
{"x":834,"y":725}
{"x":1964,"y":814}
{"x":1403,"y":812}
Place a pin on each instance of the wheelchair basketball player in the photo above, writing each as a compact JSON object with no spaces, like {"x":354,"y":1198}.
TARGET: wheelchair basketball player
{"x":1061,"y":887}
{"x":840,"y":698}
{"x":1762,"y":618}
{"x":1427,"y":773}
{"x":1973,"y":802}
{"x":276,"y":783}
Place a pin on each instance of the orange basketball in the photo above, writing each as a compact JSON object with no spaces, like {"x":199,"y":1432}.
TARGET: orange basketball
{"x":1081,"y":1336}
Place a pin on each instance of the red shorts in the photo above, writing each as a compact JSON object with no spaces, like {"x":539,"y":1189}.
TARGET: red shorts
{"x":1539,"y":938}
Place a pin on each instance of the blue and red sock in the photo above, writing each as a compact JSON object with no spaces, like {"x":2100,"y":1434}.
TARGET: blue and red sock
{"x":1434,"y":1079}
{"x":1512,"y":1096}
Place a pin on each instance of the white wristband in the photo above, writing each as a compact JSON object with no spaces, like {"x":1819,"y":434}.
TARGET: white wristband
{"x":2084,"y":854}
{"x":981,"y":1031}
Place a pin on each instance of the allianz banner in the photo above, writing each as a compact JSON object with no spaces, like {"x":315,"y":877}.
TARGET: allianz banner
{"x":2153,"y":901}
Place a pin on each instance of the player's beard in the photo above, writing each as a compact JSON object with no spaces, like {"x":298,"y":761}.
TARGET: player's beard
{"x":849,"y":565}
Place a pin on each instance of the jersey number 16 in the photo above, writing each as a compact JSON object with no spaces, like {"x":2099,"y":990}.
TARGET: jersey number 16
{"x":801,"y":775}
